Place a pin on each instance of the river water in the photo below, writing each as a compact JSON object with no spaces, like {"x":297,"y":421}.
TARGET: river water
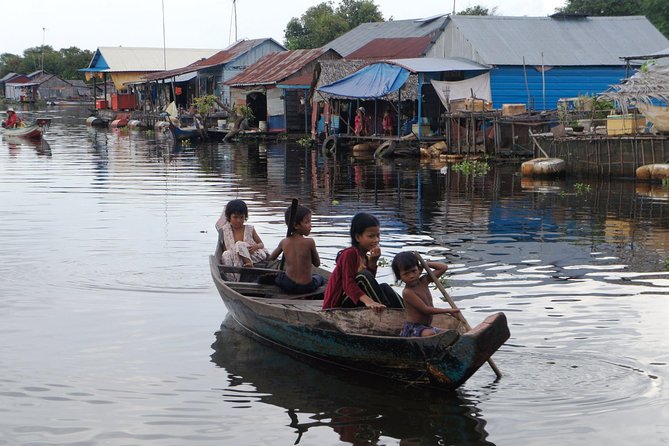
{"x":111,"y":327}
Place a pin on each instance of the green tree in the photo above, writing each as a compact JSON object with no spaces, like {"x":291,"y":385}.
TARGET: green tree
{"x":603,"y":7}
{"x":323,"y":23}
{"x":478,"y":10}
{"x":657,"y":11}
{"x":357,"y":12}
{"x":10,"y":63}
{"x":64,"y":63}
{"x":74,"y":59}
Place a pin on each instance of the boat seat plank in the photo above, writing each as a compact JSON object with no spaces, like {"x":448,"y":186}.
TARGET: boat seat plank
{"x":242,"y":269}
{"x":271,"y":291}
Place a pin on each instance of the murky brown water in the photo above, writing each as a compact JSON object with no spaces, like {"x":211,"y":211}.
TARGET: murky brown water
{"x":108,"y":312}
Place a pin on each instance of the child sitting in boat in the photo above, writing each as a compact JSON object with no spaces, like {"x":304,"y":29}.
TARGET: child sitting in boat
{"x":241,"y":243}
{"x":417,"y":296}
{"x":353,"y":282}
{"x":299,"y":253}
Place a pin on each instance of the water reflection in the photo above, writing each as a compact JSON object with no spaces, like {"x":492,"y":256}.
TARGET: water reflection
{"x":118,"y":226}
{"x":359,"y":409}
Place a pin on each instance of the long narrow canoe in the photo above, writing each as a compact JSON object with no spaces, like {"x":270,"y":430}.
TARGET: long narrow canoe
{"x":359,"y":338}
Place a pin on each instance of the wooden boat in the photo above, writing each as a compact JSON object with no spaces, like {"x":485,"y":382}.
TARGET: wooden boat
{"x":358,"y":338}
{"x":183,"y":133}
{"x":30,"y":131}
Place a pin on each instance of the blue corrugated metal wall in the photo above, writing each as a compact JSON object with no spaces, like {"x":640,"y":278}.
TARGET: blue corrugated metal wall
{"x":508,"y":84}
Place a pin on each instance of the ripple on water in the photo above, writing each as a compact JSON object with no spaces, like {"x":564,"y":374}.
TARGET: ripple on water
{"x":571,"y":385}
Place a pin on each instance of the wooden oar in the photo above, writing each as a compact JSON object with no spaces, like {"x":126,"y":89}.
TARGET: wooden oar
{"x":450,"y":301}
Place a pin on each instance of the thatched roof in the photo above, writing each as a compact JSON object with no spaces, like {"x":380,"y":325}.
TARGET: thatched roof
{"x":333,"y":70}
{"x":648,"y":85}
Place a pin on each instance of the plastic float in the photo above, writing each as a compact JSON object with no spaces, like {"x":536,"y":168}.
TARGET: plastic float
{"x":653,"y":172}
{"x":543,"y":167}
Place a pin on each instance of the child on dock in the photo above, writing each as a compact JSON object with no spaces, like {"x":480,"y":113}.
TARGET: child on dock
{"x":299,"y":253}
{"x":417,"y":296}
{"x":242,"y":245}
{"x":387,"y":123}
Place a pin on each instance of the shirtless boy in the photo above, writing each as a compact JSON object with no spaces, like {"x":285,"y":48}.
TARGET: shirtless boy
{"x":299,"y":253}
{"x":417,"y":297}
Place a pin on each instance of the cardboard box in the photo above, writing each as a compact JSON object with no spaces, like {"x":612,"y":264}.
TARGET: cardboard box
{"x":470,"y":104}
{"x":513,"y":109}
{"x":424,"y":130}
{"x":625,"y":124}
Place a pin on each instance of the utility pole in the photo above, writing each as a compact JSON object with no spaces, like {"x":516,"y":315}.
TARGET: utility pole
{"x":233,"y":21}
{"x":164,"y":50}
{"x":42,"y":53}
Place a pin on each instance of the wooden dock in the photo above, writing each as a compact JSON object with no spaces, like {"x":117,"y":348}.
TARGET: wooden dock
{"x":604,"y":155}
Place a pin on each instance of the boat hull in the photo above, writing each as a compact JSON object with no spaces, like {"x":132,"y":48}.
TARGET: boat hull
{"x":363,"y":340}
{"x":29,"y":132}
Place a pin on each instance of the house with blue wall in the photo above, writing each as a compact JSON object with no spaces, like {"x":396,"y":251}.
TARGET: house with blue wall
{"x":534,"y":60}
{"x":538,"y":60}
{"x":208,"y":76}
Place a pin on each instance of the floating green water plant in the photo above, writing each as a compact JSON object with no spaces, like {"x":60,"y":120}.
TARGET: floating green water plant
{"x":472,"y":167}
{"x":582,"y":188}
{"x":305,"y":142}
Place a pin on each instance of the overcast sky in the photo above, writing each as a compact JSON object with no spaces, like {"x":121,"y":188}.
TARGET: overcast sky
{"x":194,"y":23}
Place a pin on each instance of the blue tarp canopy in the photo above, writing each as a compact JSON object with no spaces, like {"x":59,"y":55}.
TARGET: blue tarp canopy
{"x":382,"y":78}
{"x":372,"y":81}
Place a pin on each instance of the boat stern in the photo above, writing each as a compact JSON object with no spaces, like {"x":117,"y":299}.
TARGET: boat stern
{"x":456,"y":363}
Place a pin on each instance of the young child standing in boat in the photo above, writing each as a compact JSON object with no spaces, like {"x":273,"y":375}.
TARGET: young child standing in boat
{"x":417,"y":296}
{"x":241,"y":243}
{"x":353,"y":280}
{"x":299,"y":253}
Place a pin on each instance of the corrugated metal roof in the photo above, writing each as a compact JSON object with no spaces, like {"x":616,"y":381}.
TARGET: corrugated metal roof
{"x":300,"y":81}
{"x":128,"y":59}
{"x":276,"y":67}
{"x":584,"y":41}
{"x":384,"y":48}
{"x":220,"y":58}
{"x":366,"y":32}
{"x":436,"y":64}
{"x":9,"y":76}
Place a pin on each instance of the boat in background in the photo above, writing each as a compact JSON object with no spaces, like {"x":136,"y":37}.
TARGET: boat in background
{"x":30,"y":131}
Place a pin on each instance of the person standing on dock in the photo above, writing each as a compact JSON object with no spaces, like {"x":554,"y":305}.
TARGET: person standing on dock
{"x":361,"y":128}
